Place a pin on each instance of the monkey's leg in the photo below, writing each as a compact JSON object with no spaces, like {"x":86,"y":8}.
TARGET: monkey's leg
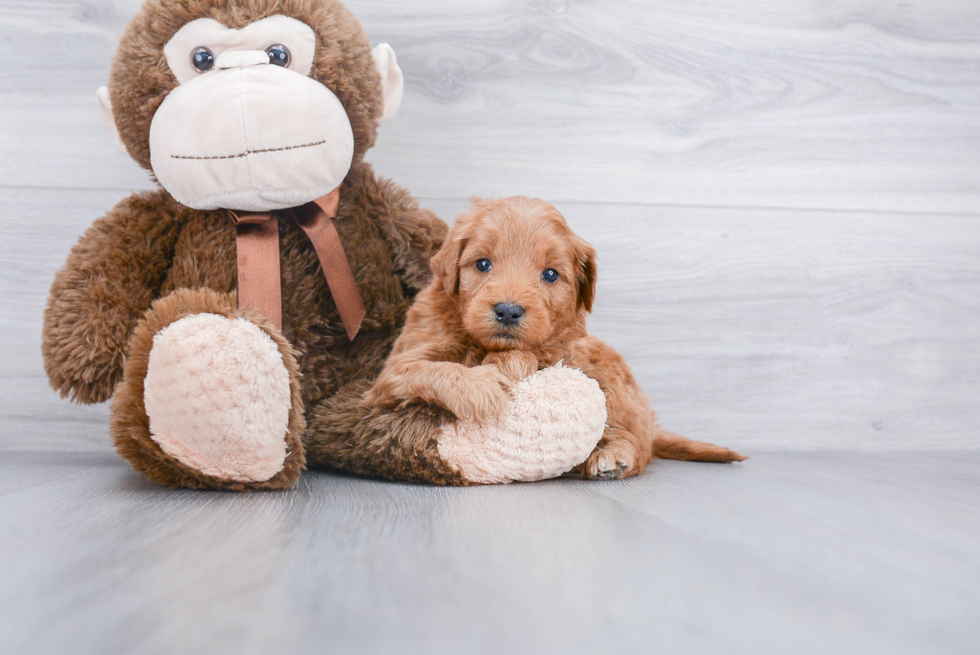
{"x":350,"y":432}
{"x":209,"y":397}
{"x":551,"y":424}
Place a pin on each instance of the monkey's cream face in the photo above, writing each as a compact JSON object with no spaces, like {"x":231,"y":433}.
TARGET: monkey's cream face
{"x":247,"y":128}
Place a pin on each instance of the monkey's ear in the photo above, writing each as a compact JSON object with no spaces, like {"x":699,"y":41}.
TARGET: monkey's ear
{"x":392,"y":80}
{"x":108,"y":120}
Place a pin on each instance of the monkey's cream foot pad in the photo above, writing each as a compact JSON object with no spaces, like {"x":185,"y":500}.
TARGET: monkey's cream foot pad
{"x":553,"y":422}
{"x":217,"y":395}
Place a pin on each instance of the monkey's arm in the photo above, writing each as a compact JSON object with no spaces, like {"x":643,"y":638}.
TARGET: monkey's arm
{"x":414,"y":234}
{"x":112,"y":275}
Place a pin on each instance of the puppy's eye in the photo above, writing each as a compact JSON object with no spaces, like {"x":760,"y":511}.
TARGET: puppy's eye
{"x":483,"y":265}
{"x":202,"y":59}
{"x":550,"y":275}
{"x":278,"y":55}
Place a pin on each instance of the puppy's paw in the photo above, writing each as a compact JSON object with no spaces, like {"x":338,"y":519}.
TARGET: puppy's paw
{"x":481,"y":394}
{"x":515,"y":364}
{"x":388,"y":390}
{"x":612,"y":460}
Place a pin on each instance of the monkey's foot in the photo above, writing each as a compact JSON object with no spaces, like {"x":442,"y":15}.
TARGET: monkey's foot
{"x":210,"y":399}
{"x":217,"y":395}
{"x":553,"y":422}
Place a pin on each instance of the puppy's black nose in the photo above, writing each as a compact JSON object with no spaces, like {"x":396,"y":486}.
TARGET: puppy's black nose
{"x":508,"y":313}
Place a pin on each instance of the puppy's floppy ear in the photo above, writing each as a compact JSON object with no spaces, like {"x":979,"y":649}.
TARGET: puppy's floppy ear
{"x":586,"y":271}
{"x":445,"y":263}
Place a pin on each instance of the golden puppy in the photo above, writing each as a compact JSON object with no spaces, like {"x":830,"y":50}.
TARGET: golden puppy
{"x":511,"y":289}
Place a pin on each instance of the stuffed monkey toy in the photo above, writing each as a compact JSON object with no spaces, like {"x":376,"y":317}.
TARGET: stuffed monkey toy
{"x":237,"y":315}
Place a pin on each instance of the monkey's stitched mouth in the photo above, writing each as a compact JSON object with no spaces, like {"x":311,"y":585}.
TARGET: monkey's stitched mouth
{"x":252,"y":152}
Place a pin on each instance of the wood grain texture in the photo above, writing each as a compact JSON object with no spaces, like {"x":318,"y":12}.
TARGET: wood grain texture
{"x":34,"y":419}
{"x":860,"y":105}
{"x":787,"y":329}
{"x":752,"y":328}
{"x":785,"y":553}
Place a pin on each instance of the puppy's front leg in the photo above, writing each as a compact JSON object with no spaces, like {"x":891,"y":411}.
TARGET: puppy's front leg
{"x":473,"y":393}
{"x":479,"y":395}
{"x":515,"y":364}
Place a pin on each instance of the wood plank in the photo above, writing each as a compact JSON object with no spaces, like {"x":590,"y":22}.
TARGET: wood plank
{"x":758,"y":329}
{"x":857,"y":105}
{"x":784,"y":553}
{"x":35,"y":419}
{"x":792,"y":330}
{"x":41,"y":226}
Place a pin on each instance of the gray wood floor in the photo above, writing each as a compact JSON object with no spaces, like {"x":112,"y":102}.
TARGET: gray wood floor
{"x":789,"y":553}
{"x":785,"y":197}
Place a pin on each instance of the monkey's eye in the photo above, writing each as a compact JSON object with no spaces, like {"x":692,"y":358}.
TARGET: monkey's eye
{"x":278,"y":55}
{"x":550,"y":275}
{"x":483,"y":265}
{"x":202,"y":59}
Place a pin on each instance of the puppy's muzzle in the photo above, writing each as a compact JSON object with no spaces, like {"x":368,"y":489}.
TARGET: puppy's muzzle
{"x":508,"y":313}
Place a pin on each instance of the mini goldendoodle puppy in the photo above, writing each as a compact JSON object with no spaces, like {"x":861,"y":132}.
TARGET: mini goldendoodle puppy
{"x":511,"y":289}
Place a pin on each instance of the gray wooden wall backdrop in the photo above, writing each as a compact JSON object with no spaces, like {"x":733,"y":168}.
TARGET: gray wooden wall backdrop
{"x":785,"y":194}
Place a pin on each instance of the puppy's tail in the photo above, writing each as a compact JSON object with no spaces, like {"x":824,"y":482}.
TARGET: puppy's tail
{"x":668,"y":445}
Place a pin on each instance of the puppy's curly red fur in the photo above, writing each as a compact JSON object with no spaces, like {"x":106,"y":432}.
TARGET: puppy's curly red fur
{"x":463,"y":346}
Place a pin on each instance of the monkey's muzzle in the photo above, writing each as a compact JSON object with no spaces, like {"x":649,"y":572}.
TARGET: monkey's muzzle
{"x":250,"y":136}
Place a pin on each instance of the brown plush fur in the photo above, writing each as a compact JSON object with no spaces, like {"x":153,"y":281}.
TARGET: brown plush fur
{"x":456,"y":354}
{"x":102,"y":314}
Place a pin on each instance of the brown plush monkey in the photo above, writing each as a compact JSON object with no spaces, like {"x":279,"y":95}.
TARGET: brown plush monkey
{"x":238,"y":354}
{"x":253,"y":106}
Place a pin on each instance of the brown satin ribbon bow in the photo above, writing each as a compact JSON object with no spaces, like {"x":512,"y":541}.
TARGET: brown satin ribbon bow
{"x":259,"y":285}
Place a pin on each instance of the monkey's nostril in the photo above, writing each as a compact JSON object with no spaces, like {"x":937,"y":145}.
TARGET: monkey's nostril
{"x":241,"y":59}
{"x":508,"y":313}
